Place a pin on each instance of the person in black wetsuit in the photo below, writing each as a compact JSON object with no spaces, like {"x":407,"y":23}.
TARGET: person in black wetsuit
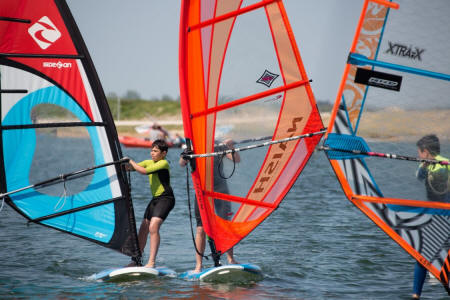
{"x":163,"y":201}
{"x":222,"y":208}
{"x":436,"y":179}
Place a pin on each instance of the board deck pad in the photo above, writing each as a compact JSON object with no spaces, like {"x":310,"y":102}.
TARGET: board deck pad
{"x":239,"y":273}
{"x":132,"y":273}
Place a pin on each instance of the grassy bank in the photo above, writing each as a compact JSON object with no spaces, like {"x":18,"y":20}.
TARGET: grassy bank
{"x":379,"y":124}
{"x":138,"y":109}
{"x":131,"y":131}
{"x":402,"y":124}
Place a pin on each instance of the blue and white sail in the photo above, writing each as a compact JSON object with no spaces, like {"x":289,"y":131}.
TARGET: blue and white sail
{"x":55,"y":120}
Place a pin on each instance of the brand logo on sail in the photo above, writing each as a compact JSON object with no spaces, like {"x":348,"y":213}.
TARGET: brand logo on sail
{"x":383,"y":82}
{"x":378,"y":79}
{"x":44,"y":32}
{"x":275,"y":159}
{"x":59,"y":65}
{"x":99,"y":235}
{"x":267,"y":78}
{"x":411,"y":52}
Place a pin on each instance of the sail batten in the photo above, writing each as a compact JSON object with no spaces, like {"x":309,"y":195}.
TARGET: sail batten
{"x":15,"y":20}
{"x":70,"y":211}
{"x":11,"y":91}
{"x":25,"y":55}
{"x":52,"y":125}
{"x":238,"y":199}
{"x":357,"y":59}
{"x":250,"y":98}
{"x":231,"y":14}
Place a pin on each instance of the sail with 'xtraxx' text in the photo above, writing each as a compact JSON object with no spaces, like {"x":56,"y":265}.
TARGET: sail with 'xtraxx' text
{"x":395,"y":91}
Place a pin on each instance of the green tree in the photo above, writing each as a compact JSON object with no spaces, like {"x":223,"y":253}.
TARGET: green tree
{"x":131,"y":94}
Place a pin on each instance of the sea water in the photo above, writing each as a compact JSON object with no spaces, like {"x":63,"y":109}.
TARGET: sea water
{"x":316,"y":245}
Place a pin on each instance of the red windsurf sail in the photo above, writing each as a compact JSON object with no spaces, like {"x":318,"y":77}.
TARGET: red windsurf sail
{"x":242,"y":80}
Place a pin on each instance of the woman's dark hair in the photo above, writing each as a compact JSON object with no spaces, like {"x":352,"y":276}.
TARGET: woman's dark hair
{"x":431,"y":143}
{"x":161,"y":145}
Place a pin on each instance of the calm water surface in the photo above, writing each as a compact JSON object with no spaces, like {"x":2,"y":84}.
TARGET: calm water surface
{"x":315,"y":246}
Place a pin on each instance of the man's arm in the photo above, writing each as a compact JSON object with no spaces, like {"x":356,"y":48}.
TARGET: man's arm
{"x":230,"y":145}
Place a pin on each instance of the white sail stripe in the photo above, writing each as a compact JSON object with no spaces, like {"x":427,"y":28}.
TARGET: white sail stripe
{"x":437,"y":227}
{"x":443,"y":221}
{"x":111,"y":170}
{"x":435,"y":235}
{"x":103,"y":138}
{"x":17,"y":79}
{"x":89,"y":93}
{"x":429,"y":249}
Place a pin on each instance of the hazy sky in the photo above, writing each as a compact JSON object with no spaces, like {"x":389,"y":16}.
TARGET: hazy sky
{"x":134,"y":44}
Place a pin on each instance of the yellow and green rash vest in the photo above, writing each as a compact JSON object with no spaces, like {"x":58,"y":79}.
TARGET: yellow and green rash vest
{"x":158,"y":176}
{"x":437,"y":179}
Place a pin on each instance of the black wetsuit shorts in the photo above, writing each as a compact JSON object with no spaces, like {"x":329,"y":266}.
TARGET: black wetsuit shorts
{"x":160,"y":207}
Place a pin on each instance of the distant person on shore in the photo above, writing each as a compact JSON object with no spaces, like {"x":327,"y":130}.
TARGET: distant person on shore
{"x":222,"y":208}
{"x":163,"y":200}
{"x":436,"y":179}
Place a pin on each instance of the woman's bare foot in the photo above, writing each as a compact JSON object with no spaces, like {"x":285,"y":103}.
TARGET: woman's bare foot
{"x":197,"y":270}
{"x":150,"y":264}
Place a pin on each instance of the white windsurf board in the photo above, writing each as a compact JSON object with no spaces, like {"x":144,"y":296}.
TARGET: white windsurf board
{"x":238,"y":273}
{"x":132,"y":273}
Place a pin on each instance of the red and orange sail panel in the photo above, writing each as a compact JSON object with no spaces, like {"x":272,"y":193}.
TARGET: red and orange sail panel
{"x":242,"y":78}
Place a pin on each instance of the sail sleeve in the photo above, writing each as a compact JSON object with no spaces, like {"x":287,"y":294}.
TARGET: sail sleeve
{"x":242,"y":80}
{"x":55,"y":120}
{"x":394,"y":91}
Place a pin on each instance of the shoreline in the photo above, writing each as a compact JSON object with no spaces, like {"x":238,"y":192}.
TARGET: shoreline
{"x":383,"y":125}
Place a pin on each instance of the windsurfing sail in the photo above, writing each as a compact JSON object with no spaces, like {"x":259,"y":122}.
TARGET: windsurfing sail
{"x":394,"y":91}
{"x":242,"y":80}
{"x":55,"y":120}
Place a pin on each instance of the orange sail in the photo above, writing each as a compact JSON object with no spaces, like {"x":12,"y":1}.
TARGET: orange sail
{"x":241,"y":80}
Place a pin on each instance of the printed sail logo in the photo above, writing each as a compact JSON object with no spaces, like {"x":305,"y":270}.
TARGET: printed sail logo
{"x":411,"y":52}
{"x":44,"y":32}
{"x":378,"y":79}
{"x":58,"y":64}
{"x":267,"y":78}
{"x":382,"y":82}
